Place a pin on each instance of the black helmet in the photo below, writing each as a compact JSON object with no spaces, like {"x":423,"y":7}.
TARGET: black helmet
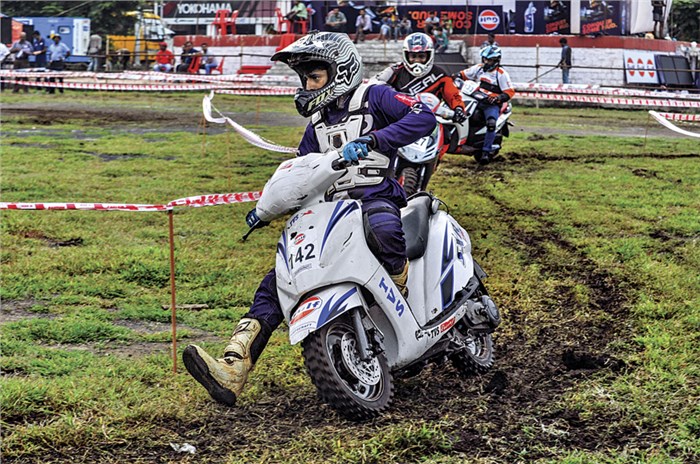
{"x":336,"y":53}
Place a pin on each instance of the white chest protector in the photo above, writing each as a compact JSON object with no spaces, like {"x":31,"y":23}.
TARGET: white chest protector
{"x":358,"y":122}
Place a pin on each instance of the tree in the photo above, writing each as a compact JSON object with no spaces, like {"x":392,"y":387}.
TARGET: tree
{"x":105,"y":17}
{"x":685,"y":20}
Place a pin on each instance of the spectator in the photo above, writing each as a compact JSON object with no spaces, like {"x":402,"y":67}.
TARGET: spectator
{"x":57,"y":55}
{"x":23,"y":50}
{"x":692,"y":53}
{"x":431,"y":22}
{"x":490,"y":41}
{"x":164,"y":59}
{"x":405,"y":27}
{"x":208,"y":61}
{"x":447,"y":26}
{"x":441,"y":39}
{"x":565,"y":63}
{"x":658,"y":16}
{"x":336,"y":21}
{"x":387,"y":30}
{"x":121,"y":58}
{"x":363,"y":25}
{"x":39,"y":46}
{"x":189,"y":53}
{"x":4,"y":54}
{"x":94,"y":48}
{"x":298,"y":12}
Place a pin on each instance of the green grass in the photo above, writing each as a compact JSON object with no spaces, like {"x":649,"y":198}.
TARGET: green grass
{"x":590,"y":242}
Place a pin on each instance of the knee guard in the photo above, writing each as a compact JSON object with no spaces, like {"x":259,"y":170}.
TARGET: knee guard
{"x":384,"y":234}
{"x":491,"y":125}
{"x":370,"y":219}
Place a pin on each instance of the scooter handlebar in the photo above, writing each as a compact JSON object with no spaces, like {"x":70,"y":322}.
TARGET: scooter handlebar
{"x":340,"y":164}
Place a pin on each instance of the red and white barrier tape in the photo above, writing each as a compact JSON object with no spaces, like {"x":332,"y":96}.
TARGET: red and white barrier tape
{"x":664,"y":122}
{"x":597,"y":90}
{"x":120,"y":87}
{"x":149,"y":75}
{"x":83,"y":206}
{"x":195,"y":202}
{"x":610,"y":100}
{"x":248,"y":135}
{"x":215,"y":199}
{"x":681,"y":117}
{"x":261,"y":91}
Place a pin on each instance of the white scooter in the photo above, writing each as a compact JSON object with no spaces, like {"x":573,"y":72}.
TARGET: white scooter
{"x":468,"y":138}
{"x":357,"y":330}
{"x":418,"y":161}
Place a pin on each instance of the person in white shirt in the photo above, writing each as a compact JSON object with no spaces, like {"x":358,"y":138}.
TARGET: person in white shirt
{"x":431,"y":22}
{"x":94,"y":47}
{"x":363,"y":25}
{"x":495,"y":82}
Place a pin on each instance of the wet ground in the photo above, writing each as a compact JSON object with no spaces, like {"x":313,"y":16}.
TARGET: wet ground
{"x":44,"y":114}
{"x":512,"y":414}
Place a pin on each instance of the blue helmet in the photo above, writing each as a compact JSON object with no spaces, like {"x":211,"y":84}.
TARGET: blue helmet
{"x":491,"y":57}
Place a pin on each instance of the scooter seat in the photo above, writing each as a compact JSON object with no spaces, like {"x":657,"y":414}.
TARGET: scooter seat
{"x":415,"y":221}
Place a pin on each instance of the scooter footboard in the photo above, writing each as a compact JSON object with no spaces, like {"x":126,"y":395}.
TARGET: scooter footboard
{"x":322,"y":306}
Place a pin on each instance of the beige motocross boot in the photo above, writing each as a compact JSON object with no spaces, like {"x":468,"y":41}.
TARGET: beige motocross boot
{"x":224,"y":378}
{"x":401,"y":279}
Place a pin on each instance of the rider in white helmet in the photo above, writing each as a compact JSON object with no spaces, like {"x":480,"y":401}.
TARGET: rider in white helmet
{"x":495,"y":82}
{"x":416,"y":73}
{"x":364,"y":122}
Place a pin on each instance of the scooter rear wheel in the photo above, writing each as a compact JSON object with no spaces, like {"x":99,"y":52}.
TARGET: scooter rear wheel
{"x":477,"y":357}
{"x":358,"y":390}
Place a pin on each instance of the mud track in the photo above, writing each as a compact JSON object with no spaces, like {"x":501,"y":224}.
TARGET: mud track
{"x":46,"y":113}
{"x":518,"y":406}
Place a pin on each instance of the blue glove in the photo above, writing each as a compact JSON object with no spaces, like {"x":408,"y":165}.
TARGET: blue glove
{"x":358,"y":149}
{"x":253,"y":221}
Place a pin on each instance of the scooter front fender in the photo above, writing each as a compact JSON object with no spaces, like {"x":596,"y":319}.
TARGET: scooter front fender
{"x":321,"y":307}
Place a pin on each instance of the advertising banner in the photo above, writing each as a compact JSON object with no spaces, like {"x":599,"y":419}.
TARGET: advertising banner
{"x":190,"y":12}
{"x":465,"y":19}
{"x":601,"y":17}
{"x":542,"y":17}
{"x":640,"y":67}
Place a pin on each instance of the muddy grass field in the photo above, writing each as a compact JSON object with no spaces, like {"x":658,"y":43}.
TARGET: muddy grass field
{"x":588,"y":229}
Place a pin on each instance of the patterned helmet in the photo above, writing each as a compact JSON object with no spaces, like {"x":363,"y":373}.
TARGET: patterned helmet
{"x":491,"y":57}
{"x":416,"y":43}
{"x":337,"y":54}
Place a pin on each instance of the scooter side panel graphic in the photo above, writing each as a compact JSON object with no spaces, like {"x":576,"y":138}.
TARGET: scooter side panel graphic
{"x":322,"y":307}
{"x":337,"y":229}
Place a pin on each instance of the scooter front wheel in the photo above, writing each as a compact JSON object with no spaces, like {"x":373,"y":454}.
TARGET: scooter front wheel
{"x":359,"y":390}
{"x":409,"y":178}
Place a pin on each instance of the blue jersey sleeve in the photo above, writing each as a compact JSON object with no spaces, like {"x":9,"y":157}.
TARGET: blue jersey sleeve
{"x":309,"y":142}
{"x":399,"y":118}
